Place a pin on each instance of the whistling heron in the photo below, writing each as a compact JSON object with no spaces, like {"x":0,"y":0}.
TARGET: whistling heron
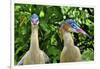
{"x":34,"y":55}
{"x":70,"y":52}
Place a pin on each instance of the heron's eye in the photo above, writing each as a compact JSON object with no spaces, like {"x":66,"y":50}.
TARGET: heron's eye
{"x":73,"y":25}
{"x":37,"y":21}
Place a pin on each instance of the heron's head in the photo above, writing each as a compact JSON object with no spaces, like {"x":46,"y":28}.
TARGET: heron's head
{"x":34,"y":19}
{"x":70,"y":25}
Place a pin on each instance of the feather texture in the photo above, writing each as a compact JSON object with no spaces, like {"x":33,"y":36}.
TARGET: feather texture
{"x":70,"y":53}
{"x":35,"y":55}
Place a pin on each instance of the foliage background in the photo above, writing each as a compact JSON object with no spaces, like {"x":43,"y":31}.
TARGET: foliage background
{"x":50,"y":21}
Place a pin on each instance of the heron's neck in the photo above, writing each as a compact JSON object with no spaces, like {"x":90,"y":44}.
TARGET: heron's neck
{"x":34,"y":40}
{"x":68,"y":40}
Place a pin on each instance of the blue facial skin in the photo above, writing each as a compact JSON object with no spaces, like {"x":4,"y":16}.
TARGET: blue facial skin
{"x":75,"y":27}
{"x":72,"y":23}
{"x":35,"y":19}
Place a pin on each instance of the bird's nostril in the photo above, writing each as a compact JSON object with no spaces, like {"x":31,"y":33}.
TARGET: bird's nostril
{"x":79,"y":30}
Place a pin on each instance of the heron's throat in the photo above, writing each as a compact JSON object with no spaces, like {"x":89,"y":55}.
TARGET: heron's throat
{"x":68,"y":40}
{"x":34,"y":39}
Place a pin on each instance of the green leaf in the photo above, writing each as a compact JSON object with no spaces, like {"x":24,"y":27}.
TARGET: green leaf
{"x":88,"y":54}
{"x":41,"y":13}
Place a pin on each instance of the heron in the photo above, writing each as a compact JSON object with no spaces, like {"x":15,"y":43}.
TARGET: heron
{"x":70,"y":52}
{"x":34,"y":55}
